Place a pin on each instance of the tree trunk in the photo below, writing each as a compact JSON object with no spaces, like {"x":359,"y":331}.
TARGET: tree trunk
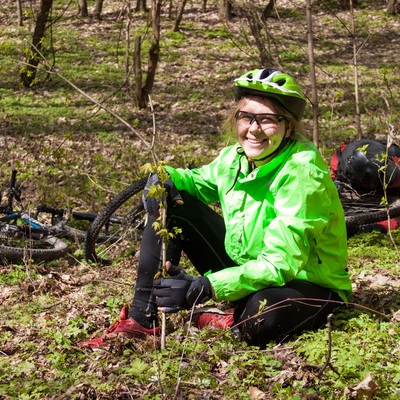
{"x":98,"y":9}
{"x":312,"y":72}
{"x":154,"y":52}
{"x":268,"y":9}
{"x":19,"y":13}
{"x":179,"y":16}
{"x":257,"y":27}
{"x":225,"y":10}
{"x":355,"y":66}
{"x":140,"y":5}
{"x":137,"y":70}
{"x":128,"y":45}
{"x":28,"y":74}
{"x":392,"y":7}
{"x":83,"y":8}
{"x":345,"y":4}
{"x":170,"y":8}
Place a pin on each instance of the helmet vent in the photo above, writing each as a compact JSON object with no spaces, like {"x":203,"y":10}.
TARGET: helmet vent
{"x":266,"y":72}
{"x":281,"y":82}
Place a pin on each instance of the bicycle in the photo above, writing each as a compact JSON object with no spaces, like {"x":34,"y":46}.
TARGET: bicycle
{"x":23,"y":236}
{"x":360,"y":210}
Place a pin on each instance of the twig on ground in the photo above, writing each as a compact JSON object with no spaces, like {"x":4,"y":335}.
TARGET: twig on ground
{"x":117,"y":282}
{"x":328,"y":356}
{"x":158,"y":361}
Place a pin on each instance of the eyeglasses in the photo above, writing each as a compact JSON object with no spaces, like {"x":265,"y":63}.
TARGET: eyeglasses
{"x":263,"y":120}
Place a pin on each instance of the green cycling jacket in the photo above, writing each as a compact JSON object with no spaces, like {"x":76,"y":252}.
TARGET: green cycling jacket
{"x":284,"y":220}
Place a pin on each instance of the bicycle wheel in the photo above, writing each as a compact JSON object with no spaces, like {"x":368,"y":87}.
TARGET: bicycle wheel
{"x":369,"y":215}
{"x":17,"y":247}
{"x":112,"y":236}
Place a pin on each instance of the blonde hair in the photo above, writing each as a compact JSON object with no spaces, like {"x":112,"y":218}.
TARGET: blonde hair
{"x":229,"y":125}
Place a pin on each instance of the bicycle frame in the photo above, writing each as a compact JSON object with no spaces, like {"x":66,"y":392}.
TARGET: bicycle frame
{"x":32,"y":223}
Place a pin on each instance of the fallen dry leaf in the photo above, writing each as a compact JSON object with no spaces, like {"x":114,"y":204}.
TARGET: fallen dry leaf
{"x":256,"y":394}
{"x":365,"y":389}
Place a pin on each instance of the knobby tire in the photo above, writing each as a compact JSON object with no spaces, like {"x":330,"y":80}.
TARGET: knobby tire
{"x":74,"y":234}
{"x":104,"y":218}
{"x":54,"y":249}
{"x":370,"y":217}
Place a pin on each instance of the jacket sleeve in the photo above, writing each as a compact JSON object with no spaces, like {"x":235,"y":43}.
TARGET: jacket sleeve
{"x":199,"y":182}
{"x":303,"y":206}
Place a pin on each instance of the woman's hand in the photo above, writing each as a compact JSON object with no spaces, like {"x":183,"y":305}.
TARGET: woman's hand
{"x":181,"y":291}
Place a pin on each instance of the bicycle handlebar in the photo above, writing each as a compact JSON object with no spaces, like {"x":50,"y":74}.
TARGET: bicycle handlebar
{"x":50,"y":210}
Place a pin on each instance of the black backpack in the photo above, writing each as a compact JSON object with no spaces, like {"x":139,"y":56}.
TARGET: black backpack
{"x":362,"y":164}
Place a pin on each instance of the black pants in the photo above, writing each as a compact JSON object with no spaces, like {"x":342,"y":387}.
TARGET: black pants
{"x":202,"y":240}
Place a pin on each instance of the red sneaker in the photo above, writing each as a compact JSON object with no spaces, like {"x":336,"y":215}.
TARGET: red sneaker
{"x":126,"y":327}
{"x":213,"y":317}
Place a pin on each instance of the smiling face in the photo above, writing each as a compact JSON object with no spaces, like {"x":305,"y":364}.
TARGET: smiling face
{"x":260,"y":139}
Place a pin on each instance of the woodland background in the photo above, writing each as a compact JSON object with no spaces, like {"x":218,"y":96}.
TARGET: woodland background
{"x":78,"y":133}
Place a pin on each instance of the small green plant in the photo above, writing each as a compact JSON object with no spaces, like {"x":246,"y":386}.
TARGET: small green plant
{"x":159,"y":192}
{"x":381,"y":161}
{"x":160,"y":225}
{"x":114,"y":304}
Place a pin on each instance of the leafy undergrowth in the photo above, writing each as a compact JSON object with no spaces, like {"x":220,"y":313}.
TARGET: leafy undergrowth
{"x":46,"y":310}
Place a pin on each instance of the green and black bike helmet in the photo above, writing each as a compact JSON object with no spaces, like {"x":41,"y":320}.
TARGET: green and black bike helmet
{"x":269,"y":82}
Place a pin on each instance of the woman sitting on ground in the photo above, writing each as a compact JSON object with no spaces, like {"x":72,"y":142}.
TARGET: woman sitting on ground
{"x":278,"y":253}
